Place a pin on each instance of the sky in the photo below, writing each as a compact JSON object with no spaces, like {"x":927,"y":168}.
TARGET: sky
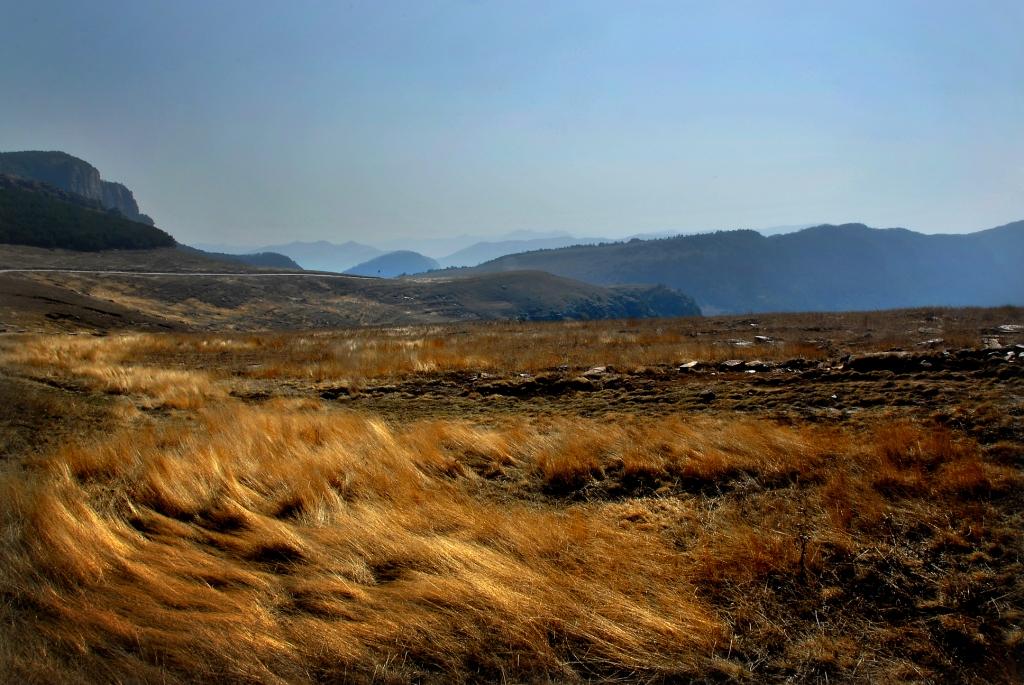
{"x":260,"y":122}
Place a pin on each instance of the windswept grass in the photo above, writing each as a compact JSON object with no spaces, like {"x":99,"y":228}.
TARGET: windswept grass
{"x":290,"y":544}
{"x":104,"y":365}
{"x":821,"y":526}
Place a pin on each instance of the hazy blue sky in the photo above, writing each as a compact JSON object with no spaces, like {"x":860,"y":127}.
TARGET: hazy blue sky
{"x":258,"y":122}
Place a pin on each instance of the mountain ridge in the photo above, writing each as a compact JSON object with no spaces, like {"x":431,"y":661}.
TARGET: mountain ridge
{"x":827,"y":267}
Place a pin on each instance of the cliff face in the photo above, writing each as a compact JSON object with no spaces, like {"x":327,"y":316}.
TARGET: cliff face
{"x":117,"y":196}
{"x":73,"y":175}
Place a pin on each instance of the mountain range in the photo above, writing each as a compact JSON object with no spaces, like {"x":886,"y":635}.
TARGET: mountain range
{"x":457,"y":251}
{"x":54,"y":200}
{"x":827,"y":267}
{"x":105,"y":270}
{"x":464,"y":250}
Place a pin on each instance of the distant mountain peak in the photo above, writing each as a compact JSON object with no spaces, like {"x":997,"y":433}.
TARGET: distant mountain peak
{"x":392,"y":264}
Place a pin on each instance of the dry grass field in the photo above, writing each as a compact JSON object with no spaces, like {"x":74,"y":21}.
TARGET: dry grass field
{"x":820,"y":498}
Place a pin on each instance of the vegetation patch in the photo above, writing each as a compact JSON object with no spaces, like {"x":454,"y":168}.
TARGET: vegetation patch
{"x":39,"y":218}
{"x":352,"y":506}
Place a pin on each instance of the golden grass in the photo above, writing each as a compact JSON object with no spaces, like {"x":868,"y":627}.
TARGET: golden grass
{"x":355,"y":356}
{"x":291,"y":541}
{"x":290,"y":544}
{"x":104,"y":365}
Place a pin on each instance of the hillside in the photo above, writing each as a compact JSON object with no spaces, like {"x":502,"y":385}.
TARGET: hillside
{"x":269,"y":260}
{"x":825,"y":268}
{"x":72,"y":175}
{"x":32,"y":213}
{"x":175,"y":259}
{"x":182,"y":289}
{"x":394,"y":264}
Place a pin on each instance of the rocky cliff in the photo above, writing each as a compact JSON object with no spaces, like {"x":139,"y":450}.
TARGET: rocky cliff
{"x":73,"y":175}
{"x":117,"y":196}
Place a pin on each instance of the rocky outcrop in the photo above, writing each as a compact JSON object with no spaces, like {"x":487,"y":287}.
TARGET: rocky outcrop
{"x":117,"y":196}
{"x":73,"y":175}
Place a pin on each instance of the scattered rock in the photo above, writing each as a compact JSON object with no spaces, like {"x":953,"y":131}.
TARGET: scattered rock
{"x":707,"y":396}
{"x":579,"y":383}
{"x":934,"y":342}
{"x":509,"y":387}
{"x":731,"y":364}
{"x":335,"y":393}
{"x":882,"y":361}
{"x":764,"y":339}
{"x":992,"y":343}
{"x":690,"y":366}
{"x":1011,"y":328}
{"x":596,"y":371}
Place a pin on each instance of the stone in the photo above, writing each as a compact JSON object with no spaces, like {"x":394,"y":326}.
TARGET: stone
{"x":882,"y":361}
